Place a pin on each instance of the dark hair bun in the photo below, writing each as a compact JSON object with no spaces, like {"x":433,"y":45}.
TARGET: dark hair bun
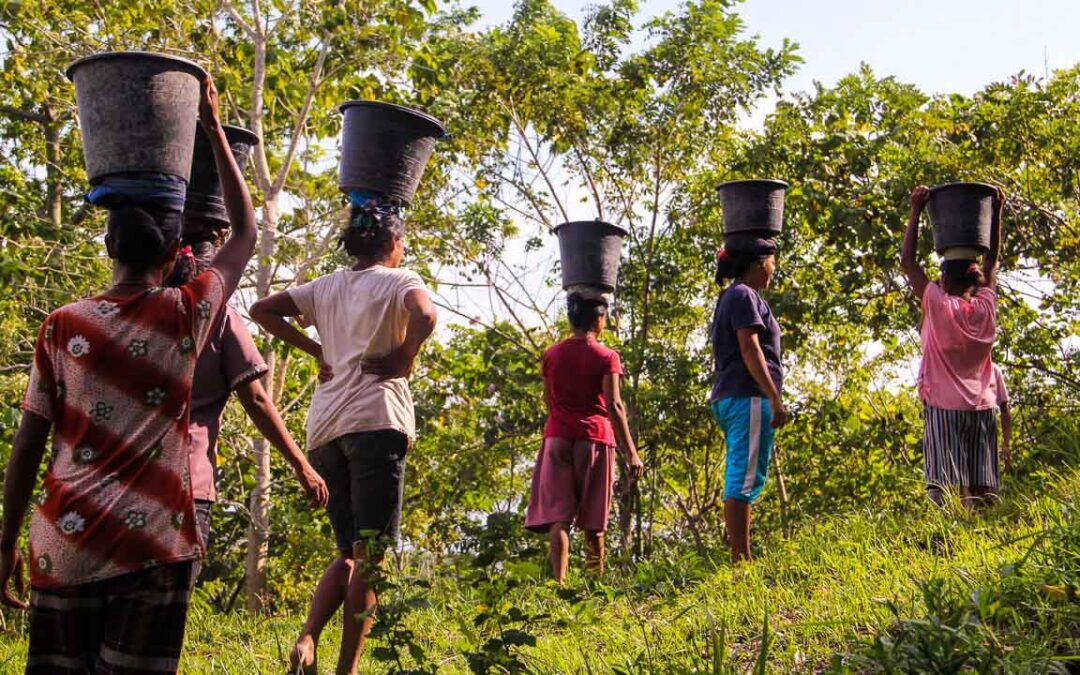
{"x":583,"y":312}
{"x":962,"y":271}
{"x":371,"y":236}
{"x":140,"y":238}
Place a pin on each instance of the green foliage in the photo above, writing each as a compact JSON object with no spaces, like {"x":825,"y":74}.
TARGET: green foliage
{"x":1017,"y":621}
{"x":551,"y":121}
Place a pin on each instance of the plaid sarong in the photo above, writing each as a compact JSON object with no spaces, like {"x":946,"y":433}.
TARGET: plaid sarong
{"x":128,"y":624}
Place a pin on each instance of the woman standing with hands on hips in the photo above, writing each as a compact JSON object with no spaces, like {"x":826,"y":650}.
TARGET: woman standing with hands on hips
{"x":372,"y":320}
{"x":747,"y":380}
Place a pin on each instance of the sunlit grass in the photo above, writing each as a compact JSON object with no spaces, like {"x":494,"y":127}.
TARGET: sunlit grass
{"x":822,"y":589}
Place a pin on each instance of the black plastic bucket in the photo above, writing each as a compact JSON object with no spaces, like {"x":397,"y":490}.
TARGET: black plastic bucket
{"x":204,"y":200}
{"x":961,"y":215}
{"x":137,"y":112}
{"x":385,"y":148}
{"x":590,"y":252}
{"x":753,"y":206}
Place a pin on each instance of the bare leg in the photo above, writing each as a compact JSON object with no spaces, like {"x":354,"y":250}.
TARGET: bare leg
{"x":360,"y":601}
{"x":737,"y":518}
{"x":594,"y":552}
{"x":329,"y":595}
{"x":560,"y":550}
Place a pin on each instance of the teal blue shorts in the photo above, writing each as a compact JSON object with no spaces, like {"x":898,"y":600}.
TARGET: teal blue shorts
{"x":745,"y":421}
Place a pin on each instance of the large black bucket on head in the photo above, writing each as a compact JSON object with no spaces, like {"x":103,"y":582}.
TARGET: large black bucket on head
{"x":753,"y":206}
{"x":137,"y":112}
{"x":961,"y":215}
{"x":590,"y":252}
{"x":204,"y":201}
{"x":385,"y":148}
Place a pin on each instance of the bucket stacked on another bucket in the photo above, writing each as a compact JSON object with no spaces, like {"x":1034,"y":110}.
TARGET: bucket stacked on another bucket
{"x":137,"y":114}
{"x":204,"y":208}
{"x":961,"y":215}
{"x":753,"y":210}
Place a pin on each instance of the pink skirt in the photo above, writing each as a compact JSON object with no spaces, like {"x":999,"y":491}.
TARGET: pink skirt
{"x":572,"y":483}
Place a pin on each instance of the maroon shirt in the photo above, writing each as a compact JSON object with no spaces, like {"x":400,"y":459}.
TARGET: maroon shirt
{"x":229,"y":360}
{"x":574,"y":370}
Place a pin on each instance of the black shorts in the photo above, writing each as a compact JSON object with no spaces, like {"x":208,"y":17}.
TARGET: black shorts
{"x":128,"y":624}
{"x":365,"y":474}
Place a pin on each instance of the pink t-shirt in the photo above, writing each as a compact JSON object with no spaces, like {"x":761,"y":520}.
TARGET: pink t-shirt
{"x":957,"y":337}
{"x":229,"y":360}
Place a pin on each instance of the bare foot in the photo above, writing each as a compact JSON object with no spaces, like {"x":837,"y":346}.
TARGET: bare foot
{"x":302,"y":658}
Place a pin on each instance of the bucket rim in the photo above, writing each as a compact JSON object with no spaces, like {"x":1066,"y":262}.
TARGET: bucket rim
{"x":617,"y":228}
{"x":394,"y":106}
{"x":235,"y":134}
{"x":775,"y":182}
{"x":963,"y":184}
{"x":190,"y":66}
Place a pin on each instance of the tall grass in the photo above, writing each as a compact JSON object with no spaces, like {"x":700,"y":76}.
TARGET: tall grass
{"x":908,"y":591}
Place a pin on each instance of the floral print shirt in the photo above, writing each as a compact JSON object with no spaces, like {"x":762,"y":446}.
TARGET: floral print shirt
{"x":113,"y":375}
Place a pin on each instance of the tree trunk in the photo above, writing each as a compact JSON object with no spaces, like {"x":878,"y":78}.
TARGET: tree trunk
{"x":53,"y":173}
{"x":259,"y":502}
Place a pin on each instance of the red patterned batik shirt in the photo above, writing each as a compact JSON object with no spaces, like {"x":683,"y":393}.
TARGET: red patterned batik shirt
{"x":113,"y":375}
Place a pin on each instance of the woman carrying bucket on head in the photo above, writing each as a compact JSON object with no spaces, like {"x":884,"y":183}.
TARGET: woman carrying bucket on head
{"x":745,"y":337}
{"x":114,"y":539}
{"x":959,"y":324}
{"x":575,"y":469}
{"x":231,"y":362}
{"x":372,"y":320}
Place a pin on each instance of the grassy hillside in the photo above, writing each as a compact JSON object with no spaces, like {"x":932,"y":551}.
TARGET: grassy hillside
{"x":916,"y":590}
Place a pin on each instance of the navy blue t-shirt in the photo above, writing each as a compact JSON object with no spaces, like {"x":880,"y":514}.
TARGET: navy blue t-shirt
{"x":741,"y":307}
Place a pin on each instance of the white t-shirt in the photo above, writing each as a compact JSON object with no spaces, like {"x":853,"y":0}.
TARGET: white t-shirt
{"x":359,"y":315}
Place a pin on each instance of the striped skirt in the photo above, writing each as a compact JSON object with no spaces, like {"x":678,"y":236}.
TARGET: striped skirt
{"x":960,"y":447}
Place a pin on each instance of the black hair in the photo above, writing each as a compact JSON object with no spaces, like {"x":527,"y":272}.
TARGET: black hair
{"x":961,"y":273}
{"x":583,"y":312}
{"x":369,"y":237}
{"x":203,"y":236}
{"x":740,"y":253}
{"x":188,"y":266}
{"x":141,"y":237}
{"x":734,"y":265}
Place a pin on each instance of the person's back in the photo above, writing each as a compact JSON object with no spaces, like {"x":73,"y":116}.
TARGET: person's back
{"x":575,"y":369}
{"x":956,"y":376}
{"x":372,"y":320}
{"x":957,"y":337}
{"x":114,"y":375}
{"x":359,"y":315}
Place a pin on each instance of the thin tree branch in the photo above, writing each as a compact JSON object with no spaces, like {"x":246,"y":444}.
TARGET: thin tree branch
{"x":239,"y":19}
{"x":303,"y":115}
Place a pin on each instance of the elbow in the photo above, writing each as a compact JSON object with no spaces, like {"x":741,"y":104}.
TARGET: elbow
{"x":428,"y":319}
{"x":254,"y":397}
{"x":616,"y":410}
{"x":260,"y":312}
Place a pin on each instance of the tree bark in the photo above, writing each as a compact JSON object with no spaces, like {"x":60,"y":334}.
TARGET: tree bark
{"x":259,"y":501}
{"x":53,"y":174}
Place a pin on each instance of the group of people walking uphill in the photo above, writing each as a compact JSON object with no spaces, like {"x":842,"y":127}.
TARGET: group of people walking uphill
{"x":131,"y":384}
